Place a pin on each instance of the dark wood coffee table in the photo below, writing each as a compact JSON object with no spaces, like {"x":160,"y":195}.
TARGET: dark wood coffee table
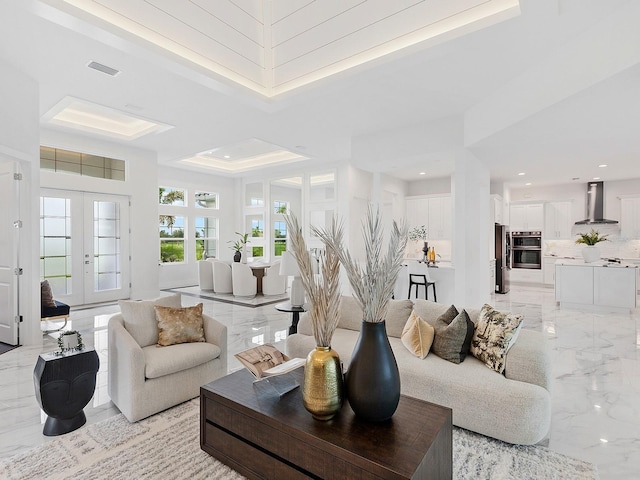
{"x":263,"y":436}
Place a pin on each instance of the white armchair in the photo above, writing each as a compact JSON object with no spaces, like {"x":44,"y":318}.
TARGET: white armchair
{"x":222,"y":277}
{"x":205,"y":275}
{"x":145,"y":379}
{"x":244,"y":283}
{"x":273,"y":283}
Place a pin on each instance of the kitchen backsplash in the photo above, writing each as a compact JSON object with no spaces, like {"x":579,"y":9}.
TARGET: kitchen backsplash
{"x":615,"y":247}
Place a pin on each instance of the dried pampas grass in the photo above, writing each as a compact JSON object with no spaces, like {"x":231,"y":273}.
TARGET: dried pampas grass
{"x":373,"y":282}
{"x":323,"y":291}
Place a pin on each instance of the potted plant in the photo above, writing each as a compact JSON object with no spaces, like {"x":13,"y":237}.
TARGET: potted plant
{"x":70,"y":340}
{"x":323,"y":391}
{"x":239,"y":246}
{"x":420,"y":233}
{"x":373,"y":367}
{"x":591,"y":252}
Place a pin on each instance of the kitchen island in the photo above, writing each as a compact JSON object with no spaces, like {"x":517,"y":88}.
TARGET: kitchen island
{"x":601,"y":285}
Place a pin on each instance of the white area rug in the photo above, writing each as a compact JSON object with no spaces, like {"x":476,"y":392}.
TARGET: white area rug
{"x":167,"y":446}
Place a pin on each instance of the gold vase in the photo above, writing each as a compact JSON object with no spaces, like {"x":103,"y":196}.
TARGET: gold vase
{"x":323,"y":389}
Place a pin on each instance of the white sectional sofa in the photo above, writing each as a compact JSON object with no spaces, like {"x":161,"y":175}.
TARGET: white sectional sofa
{"x":514,"y":407}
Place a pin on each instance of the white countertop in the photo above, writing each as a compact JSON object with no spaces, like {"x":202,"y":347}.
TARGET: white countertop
{"x":439,"y":264}
{"x":602,"y":263}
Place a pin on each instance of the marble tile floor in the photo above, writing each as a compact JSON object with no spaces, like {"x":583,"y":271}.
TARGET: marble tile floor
{"x":595,"y":393}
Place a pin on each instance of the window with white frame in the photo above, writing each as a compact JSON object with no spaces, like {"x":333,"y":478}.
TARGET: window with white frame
{"x":279,"y":237}
{"x":206,"y":200}
{"x":172,"y":243}
{"x":171,"y":196}
{"x":206,"y":237}
{"x":280,"y":207}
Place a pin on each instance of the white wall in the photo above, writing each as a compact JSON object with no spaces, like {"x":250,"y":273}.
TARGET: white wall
{"x":181,"y":274}
{"x":141,"y":186}
{"x":430,"y":186}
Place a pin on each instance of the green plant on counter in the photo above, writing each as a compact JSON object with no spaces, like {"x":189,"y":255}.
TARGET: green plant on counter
{"x":238,"y":245}
{"x":591,"y":238}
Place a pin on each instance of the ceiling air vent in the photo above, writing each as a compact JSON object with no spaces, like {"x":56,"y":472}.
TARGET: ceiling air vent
{"x":103,"y":68}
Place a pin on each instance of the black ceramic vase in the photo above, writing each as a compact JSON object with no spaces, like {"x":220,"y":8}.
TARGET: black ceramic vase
{"x":372,"y":381}
{"x":237,"y":256}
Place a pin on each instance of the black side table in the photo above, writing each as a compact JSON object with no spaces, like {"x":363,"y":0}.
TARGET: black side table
{"x":64,"y":385}
{"x":295,"y":311}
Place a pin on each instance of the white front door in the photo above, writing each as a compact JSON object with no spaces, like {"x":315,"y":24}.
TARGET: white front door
{"x":85,"y":246}
{"x":9,"y":280}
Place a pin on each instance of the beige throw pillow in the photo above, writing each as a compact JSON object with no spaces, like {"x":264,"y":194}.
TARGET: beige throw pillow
{"x":140,"y":318}
{"x":494,"y":335}
{"x":417,"y":336}
{"x":179,"y":325}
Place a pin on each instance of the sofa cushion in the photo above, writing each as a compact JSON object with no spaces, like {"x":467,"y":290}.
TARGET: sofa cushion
{"x":417,"y":336}
{"x":397,"y":315}
{"x":494,"y":335}
{"x":176,"y":358}
{"x":452,"y":340}
{"x":179,"y":325}
{"x":139,"y":317}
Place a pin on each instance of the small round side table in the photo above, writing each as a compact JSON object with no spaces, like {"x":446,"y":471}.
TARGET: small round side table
{"x":295,"y":311}
{"x":64,"y":385}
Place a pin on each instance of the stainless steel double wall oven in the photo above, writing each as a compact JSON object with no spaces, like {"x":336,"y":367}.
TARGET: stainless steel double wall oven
{"x":526,"y":249}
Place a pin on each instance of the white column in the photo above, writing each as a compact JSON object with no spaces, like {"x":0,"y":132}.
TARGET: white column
{"x":471,"y":230}
{"x":20,"y":143}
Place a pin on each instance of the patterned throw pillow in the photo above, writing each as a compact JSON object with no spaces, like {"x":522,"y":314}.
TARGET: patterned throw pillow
{"x":417,"y":336}
{"x":494,"y":335}
{"x":46,"y":295}
{"x":179,"y":325}
{"x":452,"y":340}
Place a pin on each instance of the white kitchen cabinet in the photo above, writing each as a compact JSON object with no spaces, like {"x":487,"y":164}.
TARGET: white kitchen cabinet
{"x":630,"y":218}
{"x":526,"y":217}
{"x":417,"y":212}
{"x":614,"y":287}
{"x":433,"y":212}
{"x":557,"y":221}
{"x":574,"y":284}
{"x":597,"y":284}
{"x":439,"y":218}
{"x":497,"y":207}
{"x":549,"y":270}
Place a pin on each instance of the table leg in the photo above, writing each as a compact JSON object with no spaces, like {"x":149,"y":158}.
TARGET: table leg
{"x":294,"y":323}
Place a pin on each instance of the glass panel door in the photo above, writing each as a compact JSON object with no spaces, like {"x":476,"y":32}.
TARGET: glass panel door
{"x":106,"y":252}
{"x":84,"y":246}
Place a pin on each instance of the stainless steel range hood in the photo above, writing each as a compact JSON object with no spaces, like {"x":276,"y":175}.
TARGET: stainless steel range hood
{"x":595,"y":205}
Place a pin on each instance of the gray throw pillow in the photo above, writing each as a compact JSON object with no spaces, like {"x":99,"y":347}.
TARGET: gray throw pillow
{"x":46,"y":295}
{"x":450,"y":339}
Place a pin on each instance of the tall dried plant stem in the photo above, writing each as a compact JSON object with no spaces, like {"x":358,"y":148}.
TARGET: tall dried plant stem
{"x":323,"y":292}
{"x":373,"y":283}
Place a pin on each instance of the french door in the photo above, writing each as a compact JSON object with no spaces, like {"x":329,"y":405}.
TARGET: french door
{"x":84,"y":246}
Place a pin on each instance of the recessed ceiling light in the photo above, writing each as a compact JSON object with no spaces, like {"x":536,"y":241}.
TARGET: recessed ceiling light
{"x":422,"y":173}
{"x":596,"y":178}
{"x":528,"y":183}
{"x":521,"y":174}
{"x":227,"y":156}
{"x":603,"y":165}
{"x":604,"y":440}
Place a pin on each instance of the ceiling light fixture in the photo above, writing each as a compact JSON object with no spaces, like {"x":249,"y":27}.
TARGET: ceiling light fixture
{"x":521,"y":174}
{"x":422,"y":173}
{"x":603,"y":165}
{"x":227,"y":156}
{"x":528,"y":183}
{"x":596,"y":178}
{"x":90,"y":117}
